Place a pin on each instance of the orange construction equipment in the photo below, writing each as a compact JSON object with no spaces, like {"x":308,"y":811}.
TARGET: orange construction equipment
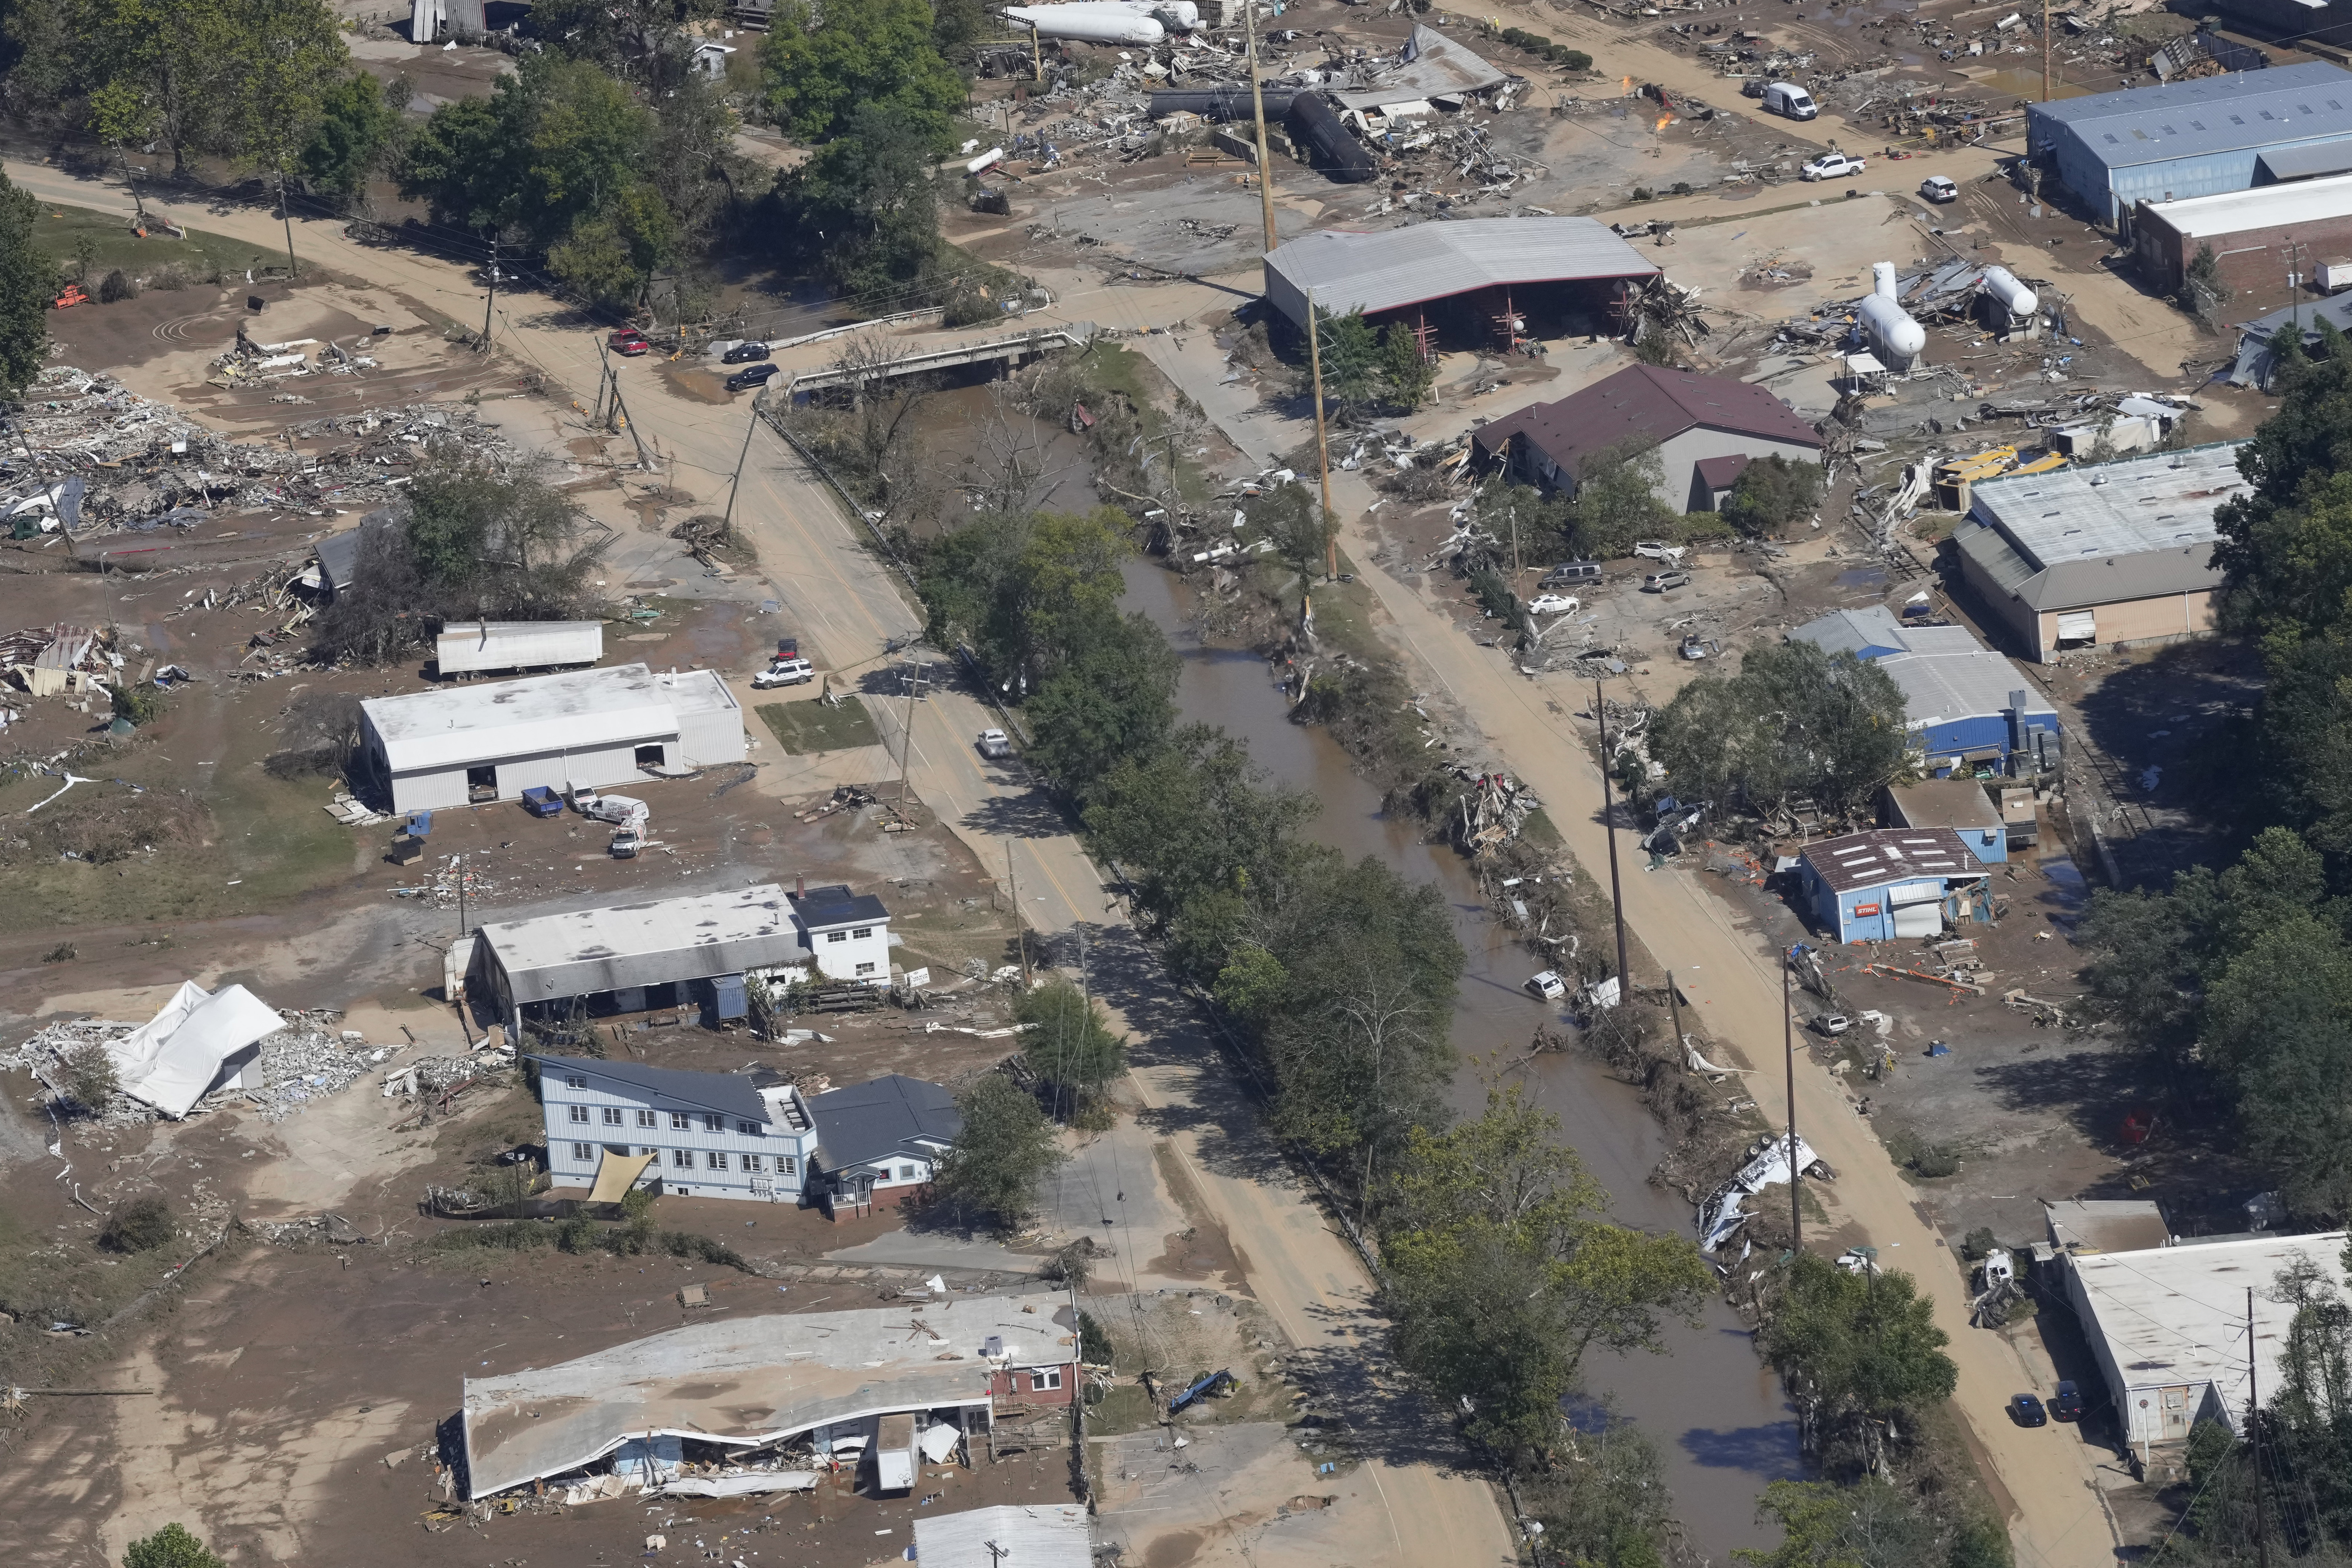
{"x":72,"y":295}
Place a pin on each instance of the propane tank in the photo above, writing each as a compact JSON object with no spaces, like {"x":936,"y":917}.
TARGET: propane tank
{"x":1882,"y":279}
{"x":1894,"y":336}
{"x":1120,"y":26}
{"x":2012,"y":296}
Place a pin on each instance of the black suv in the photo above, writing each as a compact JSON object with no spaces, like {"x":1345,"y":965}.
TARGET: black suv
{"x":740,"y":353}
{"x":750,"y":375}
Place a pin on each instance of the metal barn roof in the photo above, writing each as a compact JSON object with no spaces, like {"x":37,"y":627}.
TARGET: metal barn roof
{"x":455,"y":726}
{"x":1380,"y":271}
{"x":465,"y":645}
{"x":2105,"y":533}
{"x":1030,"y":1535}
{"x":1887,"y":854}
{"x":2263,"y":206}
{"x":591,"y":951}
{"x":2177,"y":1314}
{"x":745,"y":1382}
{"x":1943,"y":671}
{"x":2226,"y":113}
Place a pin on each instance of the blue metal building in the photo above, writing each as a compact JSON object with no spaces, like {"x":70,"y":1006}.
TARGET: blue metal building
{"x":1896,"y":882}
{"x":2197,"y":138}
{"x":1969,"y":710}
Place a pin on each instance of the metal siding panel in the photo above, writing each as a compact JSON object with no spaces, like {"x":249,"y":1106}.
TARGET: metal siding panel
{"x":439,"y":791}
{"x":710,"y":738}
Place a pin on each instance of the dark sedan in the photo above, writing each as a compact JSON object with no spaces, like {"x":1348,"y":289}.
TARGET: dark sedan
{"x":2026,"y":1411}
{"x":2066,"y":1403}
{"x":750,"y":375}
{"x":742,"y":353}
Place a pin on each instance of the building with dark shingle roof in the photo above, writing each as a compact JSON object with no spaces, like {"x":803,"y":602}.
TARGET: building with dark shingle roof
{"x":1890,"y":883}
{"x":1706,"y":430}
{"x":884,"y":1137}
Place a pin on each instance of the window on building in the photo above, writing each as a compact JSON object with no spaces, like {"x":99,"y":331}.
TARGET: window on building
{"x":679,"y":1121}
{"x":714,"y":1123}
{"x":2139,"y":135}
{"x":654,"y":1154}
{"x":910,"y":1172}
{"x":579,"y":1113}
{"x":575,"y":1080}
{"x":718,"y":1160}
{"x":1042,"y":1378}
{"x":2237,"y":120}
{"x":2113,"y":140}
{"x":788,"y":1164}
{"x":612,"y":1116}
{"x":836,"y":936}
{"x":865,"y":969}
{"x":2167,"y":130}
{"x":2266,"y":114}
{"x":749,"y":1129}
{"x":584,"y":1150}
{"x":2195,"y":125}
{"x":646,"y":1119}
{"x":751,"y":1162}
{"x":862,"y":933}
{"x":682,"y":1157}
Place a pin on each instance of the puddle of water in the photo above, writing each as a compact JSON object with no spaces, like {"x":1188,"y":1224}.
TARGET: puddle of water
{"x":1863,"y":577}
{"x":1718,"y":1417}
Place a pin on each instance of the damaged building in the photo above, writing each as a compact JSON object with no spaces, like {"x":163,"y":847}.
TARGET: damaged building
{"x":1968,"y":707}
{"x":749,"y":1395}
{"x":614,"y":1125}
{"x":1888,"y":884}
{"x":1490,"y":281}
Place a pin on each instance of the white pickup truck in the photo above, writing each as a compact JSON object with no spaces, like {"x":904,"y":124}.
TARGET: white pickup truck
{"x":1831,"y":166}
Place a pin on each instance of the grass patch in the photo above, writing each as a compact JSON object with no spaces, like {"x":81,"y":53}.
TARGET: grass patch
{"x":68,"y":234}
{"x":802,"y":728}
{"x":1538,"y":830}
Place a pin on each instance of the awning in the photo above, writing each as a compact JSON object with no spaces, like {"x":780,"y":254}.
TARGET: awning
{"x":616,"y":1174}
{"x":2281,"y":164}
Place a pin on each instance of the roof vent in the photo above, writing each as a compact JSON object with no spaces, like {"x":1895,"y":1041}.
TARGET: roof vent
{"x":2099,"y":479}
{"x":993,"y":1346}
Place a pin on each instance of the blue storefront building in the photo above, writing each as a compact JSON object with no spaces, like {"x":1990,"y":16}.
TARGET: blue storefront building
{"x":1893,"y":882}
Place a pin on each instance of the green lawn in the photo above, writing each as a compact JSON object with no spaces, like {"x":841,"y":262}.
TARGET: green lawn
{"x":802,"y":728}
{"x":61,"y":231}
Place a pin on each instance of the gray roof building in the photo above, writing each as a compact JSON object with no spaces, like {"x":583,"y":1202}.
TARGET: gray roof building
{"x":734,"y":1093}
{"x":2194,"y":138}
{"x":1952,"y":685}
{"x":1886,"y":855}
{"x":1029,"y":1535}
{"x":1425,"y":262}
{"x":586,"y":953}
{"x":868,"y":1124}
{"x":2056,"y":548}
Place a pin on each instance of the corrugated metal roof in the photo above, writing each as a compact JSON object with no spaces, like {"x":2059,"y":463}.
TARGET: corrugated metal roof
{"x":2307,"y":163}
{"x":1646,"y":403}
{"x":586,"y":952}
{"x":465,"y":645}
{"x":1944,"y":673}
{"x":2265,"y":207}
{"x":1946,"y":803}
{"x":1887,"y":854}
{"x":1012,"y":1535}
{"x":1355,"y":271}
{"x":1866,"y":633}
{"x":2226,"y":113}
{"x":2105,"y":533}
{"x":1431,"y":65}
{"x":455,"y":726}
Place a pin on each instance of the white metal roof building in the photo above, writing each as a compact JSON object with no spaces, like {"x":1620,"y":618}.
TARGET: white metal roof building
{"x":1030,"y":1535}
{"x":744,"y":1383}
{"x":457,"y":745}
{"x":2110,"y":553}
{"x":629,"y":949}
{"x":473,"y":647}
{"x":1425,"y":262}
{"x":2168,"y":1324}
{"x":2194,"y":138}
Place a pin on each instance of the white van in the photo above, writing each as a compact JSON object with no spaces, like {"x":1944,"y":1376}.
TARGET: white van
{"x":1787,"y":97}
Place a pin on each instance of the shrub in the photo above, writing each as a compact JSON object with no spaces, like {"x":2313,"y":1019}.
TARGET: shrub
{"x":140,"y":1225}
{"x":89,"y":1077}
{"x":1577,"y":60}
{"x":141,"y":704}
{"x":169,"y":1547}
{"x":1977,"y":1243}
{"x":1644,"y":193}
{"x":116,"y":285}
{"x":171,"y":277}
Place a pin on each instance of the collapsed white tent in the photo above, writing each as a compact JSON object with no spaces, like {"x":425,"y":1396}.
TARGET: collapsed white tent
{"x":172,"y":1060}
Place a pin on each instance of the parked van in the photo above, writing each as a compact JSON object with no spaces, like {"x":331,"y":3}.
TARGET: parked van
{"x":1787,"y":97}
{"x":1571,"y":572}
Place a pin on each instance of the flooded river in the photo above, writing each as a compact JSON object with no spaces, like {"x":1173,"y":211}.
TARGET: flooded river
{"x":1717,"y":1416}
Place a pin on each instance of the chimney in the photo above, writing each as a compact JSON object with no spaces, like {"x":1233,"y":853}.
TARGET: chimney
{"x":800,"y":884}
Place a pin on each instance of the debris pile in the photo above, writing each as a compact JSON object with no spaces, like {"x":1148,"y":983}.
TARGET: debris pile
{"x":307,"y":1059}
{"x":1492,"y":810}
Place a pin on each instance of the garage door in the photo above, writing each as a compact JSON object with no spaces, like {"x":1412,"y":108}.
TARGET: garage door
{"x":1919,"y":919}
{"x":2078,"y":625}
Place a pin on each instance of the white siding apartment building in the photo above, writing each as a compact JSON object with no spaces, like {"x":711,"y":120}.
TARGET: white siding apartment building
{"x":709,"y":1134}
{"x":847,"y":934}
{"x":469,"y":744}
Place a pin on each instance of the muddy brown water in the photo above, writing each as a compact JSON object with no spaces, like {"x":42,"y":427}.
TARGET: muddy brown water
{"x":1720,"y":1420}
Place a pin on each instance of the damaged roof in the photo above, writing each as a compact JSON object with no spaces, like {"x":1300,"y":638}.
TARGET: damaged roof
{"x":1431,"y":66}
{"x":745,"y":1382}
{"x":1648,"y":403}
{"x":585,"y":951}
{"x":1886,"y":855}
{"x":2105,"y":533}
{"x":1424,"y":261}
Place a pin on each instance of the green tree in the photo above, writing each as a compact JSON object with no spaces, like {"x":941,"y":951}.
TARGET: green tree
{"x":169,"y":1547}
{"x":877,"y":55}
{"x":1616,"y":501}
{"x":1866,"y":1525}
{"x":1773,"y":493}
{"x":1860,"y":1347}
{"x":29,"y":281}
{"x":289,"y":56}
{"x":865,"y":207}
{"x":1505,"y":1270}
{"x":1003,"y":1154}
{"x":1069,"y":1045}
{"x":611,"y":255}
{"x":638,"y":40}
{"x":1302,"y":530}
{"x":1407,"y":375}
{"x":1115,"y":697}
{"x":358,"y":133}
{"x":161,"y":69}
{"x":1030,"y":592}
{"x":1794,"y":722}
{"x":1350,"y":355}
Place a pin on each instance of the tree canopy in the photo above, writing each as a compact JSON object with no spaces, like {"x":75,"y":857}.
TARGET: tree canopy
{"x":1001,"y":1155}
{"x":28,"y":280}
{"x":1069,"y":1044}
{"x":821,"y":71}
{"x":1859,"y":1346}
{"x":1795,"y":721}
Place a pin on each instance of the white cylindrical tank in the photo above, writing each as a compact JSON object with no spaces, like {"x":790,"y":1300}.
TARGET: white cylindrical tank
{"x":1895,"y":337}
{"x":1185,"y":13}
{"x":1089,"y":26}
{"x":2014,"y":297}
{"x":975,"y":166}
{"x":1882,"y":279}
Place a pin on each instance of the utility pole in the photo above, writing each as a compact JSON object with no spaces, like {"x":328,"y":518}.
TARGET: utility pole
{"x":287,"y":213}
{"x":1674,"y":1007}
{"x":1609,"y":824}
{"x":2045,"y":51}
{"x":461,"y":895}
{"x":1322,"y":443}
{"x":741,"y":457}
{"x":1257,"y":102}
{"x":491,"y":303}
{"x":2295,"y":289}
{"x":2255,"y":1431}
{"x":906,"y":742}
{"x":1020,"y":932}
{"x":1789,"y":1051}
